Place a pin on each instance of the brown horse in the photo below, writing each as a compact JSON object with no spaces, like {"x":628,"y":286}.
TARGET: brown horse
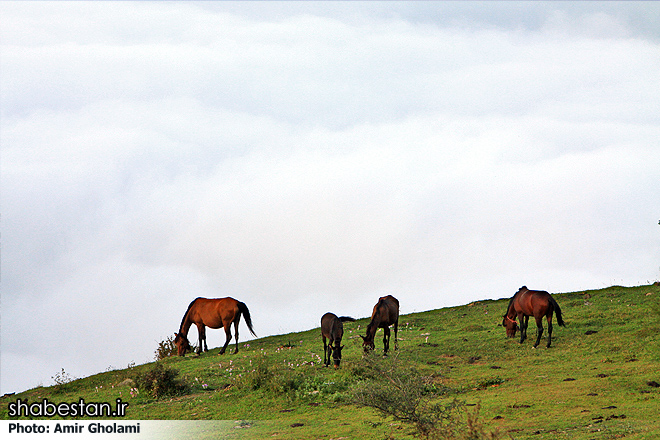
{"x":332,"y":329}
{"x":386,"y":313}
{"x":214,"y":313}
{"x":526,"y":303}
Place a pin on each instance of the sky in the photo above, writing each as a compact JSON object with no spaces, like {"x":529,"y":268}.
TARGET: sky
{"x":309,"y":157}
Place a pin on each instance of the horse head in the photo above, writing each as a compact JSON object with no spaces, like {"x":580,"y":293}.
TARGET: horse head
{"x":368,"y":342}
{"x":510,"y":325}
{"x":336,"y":354}
{"x":182,"y":344}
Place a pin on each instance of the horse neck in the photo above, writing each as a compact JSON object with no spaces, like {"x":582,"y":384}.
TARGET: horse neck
{"x":337,"y":330}
{"x":511,"y":310}
{"x":186,"y":322}
{"x":372,"y":328}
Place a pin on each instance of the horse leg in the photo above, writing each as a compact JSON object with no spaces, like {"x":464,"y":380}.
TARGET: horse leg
{"x":539,"y":330}
{"x":523,"y":327}
{"x":325,"y":349}
{"x":396,"y":331}
{"x":227,"y":337}
{"x":201,"y":333}
{"x":326,"y":360}
{"x":549,"y":330}
{"x":386,"y":340}
{"x":236,"y":335}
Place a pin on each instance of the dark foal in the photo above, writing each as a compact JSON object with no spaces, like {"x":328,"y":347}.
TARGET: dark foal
{"x":332,"y":330}
{"x":385,"y":313}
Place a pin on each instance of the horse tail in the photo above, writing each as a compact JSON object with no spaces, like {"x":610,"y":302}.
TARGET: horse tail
{"x":346,"y":319}
{"x":242,"y":308}
{"x":183,"y":320}
{"x":555,"y":306}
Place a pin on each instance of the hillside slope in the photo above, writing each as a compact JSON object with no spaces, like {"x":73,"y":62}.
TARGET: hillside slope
{"x":597,"y":381}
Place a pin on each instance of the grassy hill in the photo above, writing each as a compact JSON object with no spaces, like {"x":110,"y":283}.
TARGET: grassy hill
{"x":597,"y":381}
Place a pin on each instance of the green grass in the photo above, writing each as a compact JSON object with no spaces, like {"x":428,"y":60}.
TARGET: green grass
{"x":586,"y":386}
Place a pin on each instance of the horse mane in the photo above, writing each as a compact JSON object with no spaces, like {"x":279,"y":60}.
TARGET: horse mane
{"x":376,"y":318}
{"x":509,"y":306}
{"x":186,"y":314}
{"x":378,"y":314}
{"x":346,"y":319}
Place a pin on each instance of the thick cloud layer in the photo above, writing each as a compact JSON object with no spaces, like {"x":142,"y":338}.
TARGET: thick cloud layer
{"x":307,"y":158}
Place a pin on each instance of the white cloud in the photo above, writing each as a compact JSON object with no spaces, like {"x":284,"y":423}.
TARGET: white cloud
{"x":310,"y":161}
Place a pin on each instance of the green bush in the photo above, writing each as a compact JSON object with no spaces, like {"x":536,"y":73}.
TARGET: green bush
{"x":411,"y":397}
{"x":270,"y":377}
{"x":63,"y":382}
{"x":160,"y":381}
{"x":165,"y":349}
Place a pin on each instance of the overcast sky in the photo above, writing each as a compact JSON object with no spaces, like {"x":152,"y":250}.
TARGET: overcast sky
{"x":311,"y":157}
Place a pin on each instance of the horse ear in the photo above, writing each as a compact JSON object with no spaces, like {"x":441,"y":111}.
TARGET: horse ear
{"x":341,"y":348}
{"x":363,"y":337}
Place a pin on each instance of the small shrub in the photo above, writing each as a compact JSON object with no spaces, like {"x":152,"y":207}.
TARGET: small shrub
{"x":165,"y":349}
{"x":315,"y":386}
{"x":271,"y":378}
{"x":160,"y":381}
{"x":62,"y":381}
{"x":62,"y":378}
{"x":411,"y":397}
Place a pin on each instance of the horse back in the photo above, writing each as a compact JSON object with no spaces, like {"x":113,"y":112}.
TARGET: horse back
{"x":386,"y":311}
{"x":331,"y":326}
{"x":534,"y":302}
{"x":213,"y":312}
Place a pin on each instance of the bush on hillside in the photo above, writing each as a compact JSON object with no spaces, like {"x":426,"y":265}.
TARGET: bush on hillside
{"x":160,"y":381}
{"x":63,"y":381}
{"x":411,"y":397}
{"x":165,"y":349}
{"x":280,"y":380}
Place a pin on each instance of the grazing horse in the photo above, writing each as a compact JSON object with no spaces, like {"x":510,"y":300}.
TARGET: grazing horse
{"x":526,"y":303}
{"x":386,"y":313}
{"x":213,"y":313}
{"x":332,"y":329}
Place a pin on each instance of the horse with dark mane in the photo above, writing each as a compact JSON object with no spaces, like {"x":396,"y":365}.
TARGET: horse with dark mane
{"x":213,"y":313}
{"x":332,"y":330}
{"x":526,"y":303}
{"x":385,"y":313}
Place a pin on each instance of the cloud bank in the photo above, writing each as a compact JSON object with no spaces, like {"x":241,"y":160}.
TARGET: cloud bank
{"x":306,"y":158}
